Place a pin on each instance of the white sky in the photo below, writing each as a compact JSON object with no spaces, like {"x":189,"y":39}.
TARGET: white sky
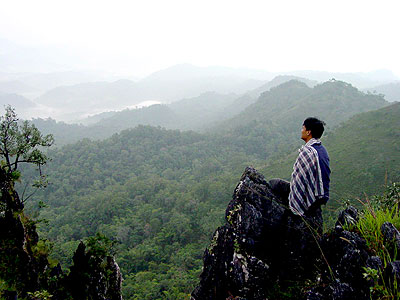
{"x":140,"y":37}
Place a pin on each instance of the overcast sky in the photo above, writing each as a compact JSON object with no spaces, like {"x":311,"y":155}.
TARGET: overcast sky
{"x":139,"y":37}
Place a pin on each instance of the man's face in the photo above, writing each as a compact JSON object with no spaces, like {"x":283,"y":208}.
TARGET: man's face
{"x":305,"y":134}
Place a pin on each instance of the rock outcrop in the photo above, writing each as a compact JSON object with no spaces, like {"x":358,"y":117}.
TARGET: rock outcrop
{"x":264,"y":251}
{"x":25,"y":269}
{"x":94,"y":276}
{"x":261,"y":248}
{"x":22,"y":264}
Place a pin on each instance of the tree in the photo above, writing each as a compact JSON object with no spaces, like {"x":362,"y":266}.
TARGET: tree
{"x":20,"y":143}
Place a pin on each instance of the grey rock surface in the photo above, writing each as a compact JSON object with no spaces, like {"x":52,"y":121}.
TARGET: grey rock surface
{"x":264,"y":249}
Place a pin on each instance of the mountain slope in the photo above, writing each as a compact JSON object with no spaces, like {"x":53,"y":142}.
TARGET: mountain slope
{"x":171,"y":84}
{"x":364,"y":153}
{"x":20,"y":103}
{"x":16,"y":101}
{"x":267,"y":125}
{"x":86,"y":96}
{"x":187,"y":114}
{"x":390,"y":90}
{"x":16,"y":87}
{"x":271,"y":124}
{"x":155,"y":115}
{"x":278,"y":80}
{"x":333,"y":101}
{"x":159,"y":193}
{"x":359,"y":79}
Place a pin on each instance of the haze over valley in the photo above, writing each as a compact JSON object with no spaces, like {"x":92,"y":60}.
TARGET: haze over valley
{"x":73,"y":96}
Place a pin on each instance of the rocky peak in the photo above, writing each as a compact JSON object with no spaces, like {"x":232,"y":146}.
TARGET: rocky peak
{"x":94,"y":276}
{"x":264,"y":251}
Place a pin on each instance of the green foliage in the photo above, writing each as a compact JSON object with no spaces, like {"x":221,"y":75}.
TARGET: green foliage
{"x":20,"y":143}
{"x":375,"y":213}
{"x":390,"y":198}
{"x":15,"y":175}
{"x":40,"y":295}
{"x":369,"y":226}
{"x":160,"y":208}
{"x":99,"y":245}
{"x":378,"y":210}
{"x":42,"y":248}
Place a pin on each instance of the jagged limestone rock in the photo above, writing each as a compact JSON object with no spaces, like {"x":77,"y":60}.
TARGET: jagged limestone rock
{"x":345,"y":256}
{"x":374,"y":262}
{"x":260,"y":245}
{"x":349,"y":216}
{"x":264,"y":246}
{"x":21,"y":268}
{"x":392,"y":273}
{"x":94,"y":277}
{"x":391,"y":237}
{"x":114,"y":290}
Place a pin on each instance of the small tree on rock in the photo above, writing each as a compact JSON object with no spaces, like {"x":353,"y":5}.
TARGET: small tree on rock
{"x":19,"y":143}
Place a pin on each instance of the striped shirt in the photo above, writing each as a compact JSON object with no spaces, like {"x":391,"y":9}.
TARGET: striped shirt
{"x":306,"y":184}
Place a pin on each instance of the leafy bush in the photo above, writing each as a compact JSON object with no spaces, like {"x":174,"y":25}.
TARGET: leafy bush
{"x":377,"y":211}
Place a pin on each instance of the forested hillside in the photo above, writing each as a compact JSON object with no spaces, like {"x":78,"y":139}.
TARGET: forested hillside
{"x":161,"y":193}
{"x":247,"y":122}
{"x":333,"y":101}
{"x":271,"y":125}
{"x":364,"y":154}
{"x":158,"y":193}
{"x":187,"y":114}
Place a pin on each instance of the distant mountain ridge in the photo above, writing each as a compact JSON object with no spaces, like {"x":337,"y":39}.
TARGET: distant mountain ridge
{"x":165,"y":86}
{"x":20,"y":103}
{"x":204,"y":106}
{"x":360,"y":80}
{"x":15,"y":87}
{"x":276,"y":112}
{"x":390,"y":90}
{"x":187,"y":114}
{"x":278,"y":80}
{"x":272,"y":124}
{"x":17,"y":101}
{"x":89,"y":95}
{"x":333,"y":101}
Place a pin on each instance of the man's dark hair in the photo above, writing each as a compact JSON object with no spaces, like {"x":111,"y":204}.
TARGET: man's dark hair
{"x":315,"y":125}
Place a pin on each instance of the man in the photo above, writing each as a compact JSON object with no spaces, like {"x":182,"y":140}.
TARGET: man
{"x":309,"y":184}
{"x":307,"y":190}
